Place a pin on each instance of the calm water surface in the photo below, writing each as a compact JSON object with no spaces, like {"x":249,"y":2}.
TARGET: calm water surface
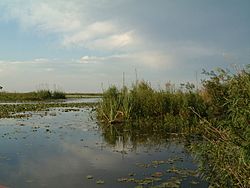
{"x":60,"y":148}
{"x":69,"y":100}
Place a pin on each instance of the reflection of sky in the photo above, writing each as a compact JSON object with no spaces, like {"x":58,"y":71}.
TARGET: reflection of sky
{"x":70,"y":100}
{"x":57,"y":151}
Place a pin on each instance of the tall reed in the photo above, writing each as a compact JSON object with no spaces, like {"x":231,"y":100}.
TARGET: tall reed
{"x":218,"y":115}
{"x":142,"y":102}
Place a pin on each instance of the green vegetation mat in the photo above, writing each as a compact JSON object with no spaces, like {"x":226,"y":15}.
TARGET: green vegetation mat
{"x":39,"y":95}
{"x":10,"y":110}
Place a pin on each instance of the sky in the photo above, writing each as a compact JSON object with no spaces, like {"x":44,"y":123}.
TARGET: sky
{"x":88,"y":45}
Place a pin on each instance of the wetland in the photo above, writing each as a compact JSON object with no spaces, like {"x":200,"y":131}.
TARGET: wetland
{"x":130,"y":137}
{"x":66,"y":147}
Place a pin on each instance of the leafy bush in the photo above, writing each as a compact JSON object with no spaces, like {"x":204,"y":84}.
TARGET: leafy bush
{"x":226,"y":128}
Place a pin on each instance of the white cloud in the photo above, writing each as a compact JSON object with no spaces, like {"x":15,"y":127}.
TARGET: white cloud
{"x":45,"y":16}
{"x":49,"y":69}
{"x":90,"y":59}
{"x":151,"y":59}
{"x":71,"y":21}
{"x":17,"y":62}
{"x":113,"y":42}
{"x":103,"y":59}
{"x":109,"y":44}
{"x":92,"y":31}
{"x":41,"y":60}
{"x":18,"y":68}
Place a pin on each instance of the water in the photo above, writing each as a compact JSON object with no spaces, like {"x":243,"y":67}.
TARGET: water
{"x":83,"y":100}
{"x":60,"y":148}
{"x":69,"y":100}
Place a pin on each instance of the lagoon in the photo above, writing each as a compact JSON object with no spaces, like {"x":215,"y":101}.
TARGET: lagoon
{"x":66,"y":147}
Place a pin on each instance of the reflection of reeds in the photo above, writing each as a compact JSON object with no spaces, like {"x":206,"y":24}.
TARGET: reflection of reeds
{"x":133,"y":134}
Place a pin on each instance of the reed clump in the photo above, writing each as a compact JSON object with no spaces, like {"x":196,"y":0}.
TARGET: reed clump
{"x":142,"y":103}
{"x":217,"y":116}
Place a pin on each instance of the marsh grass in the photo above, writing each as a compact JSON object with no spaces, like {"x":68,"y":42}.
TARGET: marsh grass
{"x":218,"y":115}
{"x":31,"y":96}
{"x":142,"y":102}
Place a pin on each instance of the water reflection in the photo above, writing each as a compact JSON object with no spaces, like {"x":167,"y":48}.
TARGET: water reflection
{"x":132,"y":136}
{"x":69,"y":100}
{"x":61,"y":148}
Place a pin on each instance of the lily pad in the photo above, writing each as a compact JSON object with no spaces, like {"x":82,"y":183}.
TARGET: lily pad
{"x":89,"y":177}
{"x":99,"y":182}
{"x":157,"y":174}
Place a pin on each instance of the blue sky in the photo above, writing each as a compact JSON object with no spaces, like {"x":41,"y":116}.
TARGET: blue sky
{"x":80,"y":45}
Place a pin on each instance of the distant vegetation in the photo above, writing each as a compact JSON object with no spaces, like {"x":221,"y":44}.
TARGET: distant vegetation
{"x":216,"y":118}
{"x":32,"y":96}
{"x":17,"y":110}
